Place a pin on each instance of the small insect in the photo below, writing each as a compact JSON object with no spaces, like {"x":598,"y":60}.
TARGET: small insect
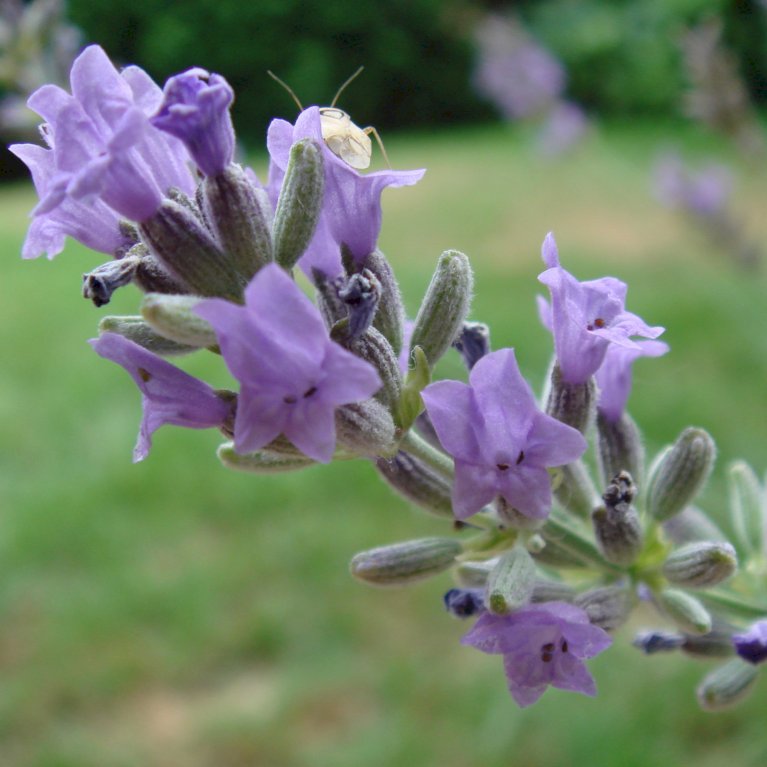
{"x":344,"y":139}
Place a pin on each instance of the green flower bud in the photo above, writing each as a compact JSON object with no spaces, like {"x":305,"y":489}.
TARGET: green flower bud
{"x":748,"y":507}
{"x":390,"y":315}
{"x":174,"y":318}
{"x":231,"y":204}
{"x":402,"y":563}
{"x":373,"y":347}
{"x":188,"y":251}
{"x":366,"y":428}
{"x":262,"y":461}
{"x":618,"y":533}
{"x":692,"y":525}
{"x":620,"y":447}
{"x":445,"y":306}
{"x":137,"y":330}
{"x":679,"y":473}
{"x":299,"y":204}
{"x":726,"y":685}
{"x":511,"y":582}
{"x":473,"y":575}
{"x":573,"y":404}
{"x":546,"y":590}
{"x":686,"y":611}
{"x":701,"y":565}
{"x":418,"y":483}
{"x":607,"y":607}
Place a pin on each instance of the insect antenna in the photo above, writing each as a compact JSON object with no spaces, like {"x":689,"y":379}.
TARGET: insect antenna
{"x":286,"y":87}
{"x":341,"y":89}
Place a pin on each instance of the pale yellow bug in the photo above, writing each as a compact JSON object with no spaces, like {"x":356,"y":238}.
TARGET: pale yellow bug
{"x":344,"y":139}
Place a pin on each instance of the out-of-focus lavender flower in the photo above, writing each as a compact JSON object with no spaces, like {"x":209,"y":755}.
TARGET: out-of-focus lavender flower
{"x":169,"y":395}
{"x":292,"y":375}
{"x":195,"y":109}
{"x":564,"y":126}
{"x":752,"y":645}
{"x":463,"y":603}
{"x":704,"y":192}
{"x":502,"y":444}
{"x":351,"y":212}
{"x":586,"y":317}
{"x":519,"y":76}
{"x":542,"y":645}
{"x":614,"y":375}
{"x":102,"y":143}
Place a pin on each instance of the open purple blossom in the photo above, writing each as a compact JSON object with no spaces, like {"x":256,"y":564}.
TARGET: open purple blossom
{"x":752,"y":645}
{"x":195,"y":109}
{"x":351,"y":210}
{"x":292,"y":375}
{"x":502,"y":444}
{"x":703,"y":192}
{"x":169,"y":395}
{"x":102,"y":143}
{"x":541,"y":645}
{"x":586,"y":317}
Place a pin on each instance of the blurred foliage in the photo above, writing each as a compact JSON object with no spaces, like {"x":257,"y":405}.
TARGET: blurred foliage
{"x":417,"y":60}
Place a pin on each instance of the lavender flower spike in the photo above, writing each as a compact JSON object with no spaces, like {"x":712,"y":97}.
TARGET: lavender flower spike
{"x":502,"y":444}
{"x":586,"y":317}
{"x":196,"y":110}
{"x":169,"y":395}
{"x":614,"y":375}
{"x":351,"y":211}
{"x":752,"y":645}
{"x":541,"y":645}
{"x":293,"y":376}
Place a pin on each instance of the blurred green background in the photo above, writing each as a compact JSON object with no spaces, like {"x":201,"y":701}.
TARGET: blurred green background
{"x":173,"y":613}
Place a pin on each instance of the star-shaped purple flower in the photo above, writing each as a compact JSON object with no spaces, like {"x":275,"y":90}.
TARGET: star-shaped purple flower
{"x":752,"y":645}
{"x":502,"y":444}
{"x":169,"y":395}
{"x":587,"y":317}
{"x":351,"y":211}
{"x":292,"y":375}
{"x":541,"y":645}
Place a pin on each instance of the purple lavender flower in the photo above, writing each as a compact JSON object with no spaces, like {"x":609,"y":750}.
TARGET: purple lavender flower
{"x":564,"y":126}
{"x":586,"y":317}
{"x":541,"y":645}
{"x":351,"y":213}
{"x":196,"y":110}
{"x":293,"y":376}
{"x":614,"y":375}
{"x":104,"y":147}
{"x":169,"y":395}
{"x":502,"y":444}
{"x":703,"y":193}
{"x":752,"y":645}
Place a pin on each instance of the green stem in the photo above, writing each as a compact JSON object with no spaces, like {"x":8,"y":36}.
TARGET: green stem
{"x":421,"y":449}
{"x":733,"y":604}
{"x":575,"y":542}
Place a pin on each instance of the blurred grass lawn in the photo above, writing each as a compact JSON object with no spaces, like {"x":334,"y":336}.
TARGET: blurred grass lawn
{"x":172,"y":613}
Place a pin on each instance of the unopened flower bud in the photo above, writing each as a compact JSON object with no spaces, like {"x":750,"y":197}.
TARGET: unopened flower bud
{"x":444,"y":307}
{"x":366,"y":428}
{"x":231,"y":206}
{"x":726,"y":685}
{"x":174,"y":318}
{"x":100,"y":283}
{"x":262,"y":461}
{"x":331,"y":307}
{"x":299,"y":204}
{"x":686,"y":611}
{"x":700,"y":565}
{"x":474,"y":575}
{"x":716,"y":644}
{"x":573,"y":404}
{"x":651,"y":642}
{"x":402,"y":563}
{"x":511,"y":582}
{"x":620,"y":447}
{"x":390,"y":316}
{"x":418,"y":483}
{"x":616,"y":524}
{"x":152,"y":277}
{"x":361,"y":295}
{"x":748,"y":508}
{"x":607,"y":607}
{"x":546,"y":590}
{"x":137,"y":330}
{"x":752,"y":645}
{"x":679,"y":473}
{"x":189,"y":252}
{"x":473,"y":342}
{"x":464,"y":603}
{"x":692,"y":525}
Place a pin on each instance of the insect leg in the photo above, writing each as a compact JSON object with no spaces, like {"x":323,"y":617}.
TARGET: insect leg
{"x":371,"y":131}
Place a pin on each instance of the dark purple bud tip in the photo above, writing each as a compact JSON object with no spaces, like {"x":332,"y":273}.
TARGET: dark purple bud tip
{"x":473,"y":343}
{"x":752,"y":646}
{"x":650,"y":642}
{"x":101,"y":283}
{"x":463,"y":603}
{"x":361,"y":295}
